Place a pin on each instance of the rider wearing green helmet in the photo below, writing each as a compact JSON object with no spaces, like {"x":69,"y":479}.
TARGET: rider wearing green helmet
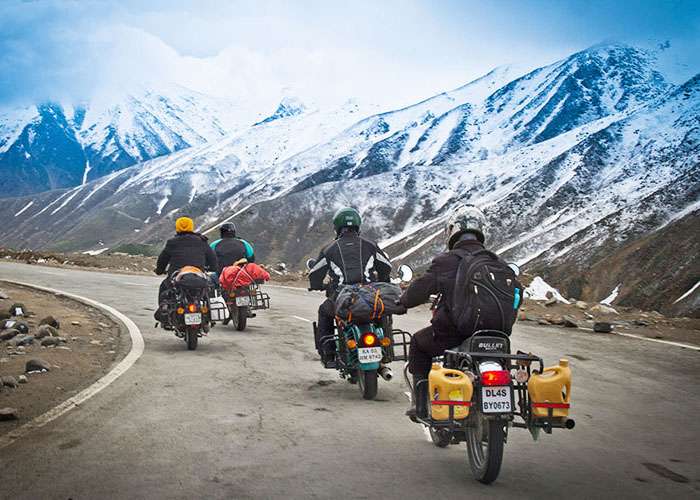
{"x":348,"y":260}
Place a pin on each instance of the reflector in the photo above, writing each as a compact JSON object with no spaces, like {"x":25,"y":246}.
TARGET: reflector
{"x":500,"y":377}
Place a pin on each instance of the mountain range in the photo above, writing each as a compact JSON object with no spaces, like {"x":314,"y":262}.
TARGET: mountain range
{"x":588,"y":170}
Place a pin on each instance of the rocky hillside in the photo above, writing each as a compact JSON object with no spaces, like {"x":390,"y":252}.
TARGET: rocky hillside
{"x":572,"y":162}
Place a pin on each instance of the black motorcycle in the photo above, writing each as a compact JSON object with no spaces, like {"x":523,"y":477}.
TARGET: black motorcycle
{"x":187,"y":311}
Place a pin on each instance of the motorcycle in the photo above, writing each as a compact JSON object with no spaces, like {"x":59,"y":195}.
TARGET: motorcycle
{"x":363,"y":349}
{"x":242,"y":302}
{"x":187,"y":311}
{"x":502,"y":387}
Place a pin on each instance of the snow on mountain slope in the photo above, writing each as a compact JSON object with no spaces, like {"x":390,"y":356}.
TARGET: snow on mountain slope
{"x":568,"y":160}
{"x":54,"y":145}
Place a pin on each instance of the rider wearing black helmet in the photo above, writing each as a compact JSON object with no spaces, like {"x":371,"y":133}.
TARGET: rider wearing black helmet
{"x":230,"y":249}
{"x":348,"y":260}
{"x":464,"y":235}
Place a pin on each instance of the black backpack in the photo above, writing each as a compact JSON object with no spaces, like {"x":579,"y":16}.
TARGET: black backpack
{"x":487,"y":293}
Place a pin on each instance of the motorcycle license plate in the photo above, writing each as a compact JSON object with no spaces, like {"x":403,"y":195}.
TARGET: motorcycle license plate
{"x":243,"y":301}
{"x":193,"y":319}
{"x":369,"y":354}
{"x":496,"y":399}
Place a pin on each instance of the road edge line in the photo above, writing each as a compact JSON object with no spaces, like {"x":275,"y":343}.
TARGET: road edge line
{"x":682,"y":345}
{"x":137,"y":348}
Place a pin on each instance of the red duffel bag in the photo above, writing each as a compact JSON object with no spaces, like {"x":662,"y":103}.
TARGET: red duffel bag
{"x":238,"y":276}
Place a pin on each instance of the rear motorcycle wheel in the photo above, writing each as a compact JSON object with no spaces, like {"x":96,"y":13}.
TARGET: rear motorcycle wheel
{"x":368,"y":383}
{"x":242,"y":319}
{"x":192,"y":339}
{"x":485,"y":440}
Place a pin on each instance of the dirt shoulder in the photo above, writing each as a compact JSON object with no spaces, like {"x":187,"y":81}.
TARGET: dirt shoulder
{"x":89,"y":344}
{"x":622,"y":319}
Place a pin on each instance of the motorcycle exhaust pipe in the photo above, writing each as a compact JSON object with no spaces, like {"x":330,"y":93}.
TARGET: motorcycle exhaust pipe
{"x":386,"y":373}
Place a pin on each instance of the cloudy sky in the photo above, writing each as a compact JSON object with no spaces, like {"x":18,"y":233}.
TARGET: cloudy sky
{"x":389,"y":52}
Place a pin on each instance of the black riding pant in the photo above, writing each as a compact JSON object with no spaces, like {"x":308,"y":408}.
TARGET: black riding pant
{"x":424,"y":347}
{"x":164,"y":287}
{"x":325,"y":325}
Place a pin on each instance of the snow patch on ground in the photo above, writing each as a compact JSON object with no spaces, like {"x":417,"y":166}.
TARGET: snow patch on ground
{"x":688,"y":293}
{"x":420,"y":244}
{"x":538,"y":291}
{"x":613,"y":295}
{"x":25,"y":208}
{"x":96,"y":252}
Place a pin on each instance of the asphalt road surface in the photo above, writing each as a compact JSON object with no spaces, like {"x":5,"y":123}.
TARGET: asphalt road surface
{"x":244,"y":416}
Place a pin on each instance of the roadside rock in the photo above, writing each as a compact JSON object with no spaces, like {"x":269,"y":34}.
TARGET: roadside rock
{"x":22,"y":379}
{"x":21,"y":327}
{"x":570,"y":322}
{"x":8,"y":334}
{"x":556,"y":320}
{"x":46,"y":330}
{"x":37,"y":365}
{"x":4,"y":315}
{"x":9,"y":381}
{"x":542,"y":321}
{"x":603,"y":309}
{"x":641,"y":322}
{"x":50,"y":341}
{"x":9,"y":414}
{"x":21,"y":340}
{"x":3,"y":295}
{"x":17,"y":309}
{"x":550,"y":302}
{"x":50,"y":321}
{"x":581,"y":305}
{"x":75,"y":323}
{"x":602,"y":327}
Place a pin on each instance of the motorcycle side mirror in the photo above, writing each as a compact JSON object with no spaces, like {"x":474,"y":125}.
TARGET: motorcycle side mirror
{"x":405,"y":273}
{"x":310,"y":264}
{"x":515,"y":268}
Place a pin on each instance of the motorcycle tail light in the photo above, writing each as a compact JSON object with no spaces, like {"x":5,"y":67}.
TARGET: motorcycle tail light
{"x":205,"y":309}
{"x":351,"y":344}
{"x":386,"y":342}
{"x":181,"y":310}
{"x":500,"y":377}
{"x":369,"y":339}
{"x":192,"y":308}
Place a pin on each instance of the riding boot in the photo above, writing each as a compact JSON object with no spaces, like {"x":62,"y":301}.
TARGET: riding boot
{"x":419,"y":399}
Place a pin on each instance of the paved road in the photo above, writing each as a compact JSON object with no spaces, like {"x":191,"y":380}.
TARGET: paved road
{"x":244,"y":416}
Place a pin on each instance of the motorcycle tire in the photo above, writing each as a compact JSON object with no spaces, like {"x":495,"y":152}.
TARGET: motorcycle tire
{"x":192,"y":340}
{"x":485,"y":442}
{"x":368,"y":383}
{"x":242,"y":319}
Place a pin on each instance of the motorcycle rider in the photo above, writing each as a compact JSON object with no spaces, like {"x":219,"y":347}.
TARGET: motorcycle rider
{"x":187,"y":248}
{"x":230,"y":249}
{"x":348,"y":260}
{"x":465,"y":234}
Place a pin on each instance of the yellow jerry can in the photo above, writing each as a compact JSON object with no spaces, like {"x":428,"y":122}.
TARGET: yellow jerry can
{"x":551,"y":390}
{"x":451,"y":387}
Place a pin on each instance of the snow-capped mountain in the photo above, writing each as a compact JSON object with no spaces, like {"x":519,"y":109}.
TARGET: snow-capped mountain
{"x":54,"y":145}
{"x":572,"y":162}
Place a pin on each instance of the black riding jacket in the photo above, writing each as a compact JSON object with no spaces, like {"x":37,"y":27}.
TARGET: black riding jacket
{"x":349,"y":260}
{"x":186,"y":249}
{"x":230,"y":250}
{"x":439,"y":280}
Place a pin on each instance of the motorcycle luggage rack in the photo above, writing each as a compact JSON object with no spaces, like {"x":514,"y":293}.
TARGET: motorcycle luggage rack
{"x":258,"y":298}
{"x":402,"y":345}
